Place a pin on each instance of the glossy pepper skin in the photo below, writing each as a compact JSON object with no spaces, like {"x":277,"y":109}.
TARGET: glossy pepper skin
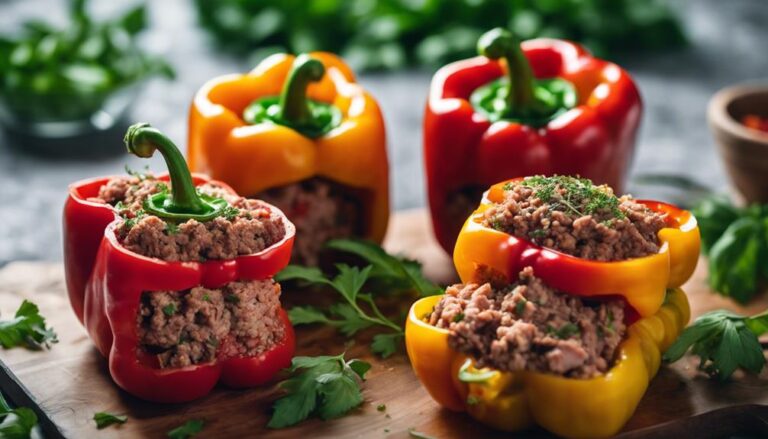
{"x":254,"y":158}
{"x":640,"y":281}
{"x":464,"y":149}
{"x":105,"y":283}
{"x":575,"y":408}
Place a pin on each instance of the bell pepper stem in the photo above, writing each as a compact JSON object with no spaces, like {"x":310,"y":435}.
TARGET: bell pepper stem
{"x":142,"y":140}
{"x":500,"y":43}
{"x":294,"y":106}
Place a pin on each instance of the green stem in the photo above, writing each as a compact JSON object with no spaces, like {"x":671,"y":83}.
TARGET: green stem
{"x":500,"y":43}
{"x":294,"y":106}
{"x":383,"y":319}
{"x":142,"y":140}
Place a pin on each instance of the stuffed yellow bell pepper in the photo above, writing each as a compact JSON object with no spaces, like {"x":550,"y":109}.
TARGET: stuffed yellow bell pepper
{"x":299,"y":133}
{"x":536,"y":335}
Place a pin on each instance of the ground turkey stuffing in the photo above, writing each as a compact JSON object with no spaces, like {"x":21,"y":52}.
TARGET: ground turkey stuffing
{"x":249,"y":226}
{"x":573,"y":216}
{"x":529,"y":326}
{"x":199,"y":325}
{"x":321,"y":210}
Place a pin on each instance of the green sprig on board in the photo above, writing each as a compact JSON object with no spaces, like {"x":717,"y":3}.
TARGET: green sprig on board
{"x":49,"y":73}
{"x":724,"y":342}
{"x":325,"y":386}
{"x":187,"y":430}
{"x":358,"y":310}
{"x":105,"y":419}
{"x":392,"y":34}
{"x":27,"y":328}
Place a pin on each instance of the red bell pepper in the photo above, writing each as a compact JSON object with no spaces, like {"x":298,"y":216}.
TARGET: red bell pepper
{"x":106,"y":281}
{"x":566,"y":113}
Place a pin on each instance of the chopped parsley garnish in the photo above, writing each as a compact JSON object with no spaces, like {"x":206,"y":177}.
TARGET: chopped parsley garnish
{"x":472,"y":400}
{"x":171,"y":227}
{"x":231,"y":298}
{"x":536,"y":234}
{"x":520,"y":307}
{"x":187,"y":430}
{"x":572,"y":194}
{"x":206,"y":297}
{"x":230,"y":213}
{"x":458,"y":317}
{"x":169,"y":309}
{"x":566,"y":331}
{"x":105,"y":419}
{"x":27,"y":328}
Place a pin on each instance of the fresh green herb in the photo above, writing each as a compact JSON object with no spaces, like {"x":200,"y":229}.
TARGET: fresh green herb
{"x":27,"y":329}
{"x":381,"y":407}
{"x":358,"y":310}
{"x":171,"y":227}
{"x":393,"y":34}
{"x":724,"y":342}
{"x":348,"y":317}
{"x":162,"y":187}
{"x":536,"y":234}
{"x":141,"y":176}
{"x":520,"y":307}
{"x":16,"y":423}
{"x":206,"y":297}
{"x":169,"y":309}
{"x":412,"y":432}
{"x":68,"y":73}
{"x":119,"y":206}
{"x":187,"y":430}
{"x":472,"y":400}
{"x":104,"y":419}
{"x":576,"y":195}
{"x":736,"y":242}
{"x":232,"y":298}
{"x":130,"y":222}
{"x":567,"y":331}
{"x":458,"y":317}
{"x":326,"y":386}
{"x":230,"y":213}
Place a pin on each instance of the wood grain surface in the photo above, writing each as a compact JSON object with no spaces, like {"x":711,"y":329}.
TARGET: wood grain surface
{"x":71,"y":382}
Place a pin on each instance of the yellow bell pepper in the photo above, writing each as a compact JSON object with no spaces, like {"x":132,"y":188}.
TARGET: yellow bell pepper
{"x":575,"y":408}
{"x":308,"y":118}
{"x":640,"y":281}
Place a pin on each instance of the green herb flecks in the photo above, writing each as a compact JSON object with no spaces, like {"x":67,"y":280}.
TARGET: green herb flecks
{"x":169,"y":309}
{"x":104,"y":419}
{"x":578,"y":196}
{"x":187,"y":430}
{"x":16,"y":423}
{"x":27,"y":328}
{"x":325,"y":386}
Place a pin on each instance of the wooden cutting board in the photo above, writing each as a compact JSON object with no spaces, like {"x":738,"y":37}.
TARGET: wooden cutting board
{"x":70,"y":382}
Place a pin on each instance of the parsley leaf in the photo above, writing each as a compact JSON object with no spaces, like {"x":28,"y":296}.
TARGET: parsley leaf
{"x":104,"y":419}
{"x":386,"y":344}
{"x":187,"y":430}
{"x":724,"y":342}
{"x":16,"y":423}
{"x":27,"y":328}
{"x":326,"y":386}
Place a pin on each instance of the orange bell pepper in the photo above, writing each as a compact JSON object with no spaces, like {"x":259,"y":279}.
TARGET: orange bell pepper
{"x":283,"y":148}
{"x":512,"y":401}
{"x":642,"y":282}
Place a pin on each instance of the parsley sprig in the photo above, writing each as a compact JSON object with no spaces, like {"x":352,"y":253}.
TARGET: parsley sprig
{"x":724,"y":342}
{"x":359,"y":310}
{"x":16,"y":423}
{"x":577,"y":195}
{"x":326,"y":386}
{"x":187,"y":430}
{"x":27,"y":329}
{"x":105,"y":419}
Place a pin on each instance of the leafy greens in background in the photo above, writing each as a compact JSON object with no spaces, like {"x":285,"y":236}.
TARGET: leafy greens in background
{"x":47,"y":73}
{"x":736,"y":242}
{"x":391,"y":34}
{"x":16,"y":423}
{"x":325,"y":386}
{"x":358,"y":310}
{"x":724,"y":342}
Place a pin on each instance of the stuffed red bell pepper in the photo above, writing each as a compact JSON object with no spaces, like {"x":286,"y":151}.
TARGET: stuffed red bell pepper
{"x":172,"y":278}
{"x":541,"y":107}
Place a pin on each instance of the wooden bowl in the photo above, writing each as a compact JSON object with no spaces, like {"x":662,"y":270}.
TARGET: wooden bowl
{"x":744,"y":150}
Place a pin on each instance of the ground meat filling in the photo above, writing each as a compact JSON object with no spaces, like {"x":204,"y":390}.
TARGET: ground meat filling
{"x":575,"y":217}
{"x":529,"y":326}
{"x":248,"y":227}
{"x":197,"y":326}
{"x":321,"y":210}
